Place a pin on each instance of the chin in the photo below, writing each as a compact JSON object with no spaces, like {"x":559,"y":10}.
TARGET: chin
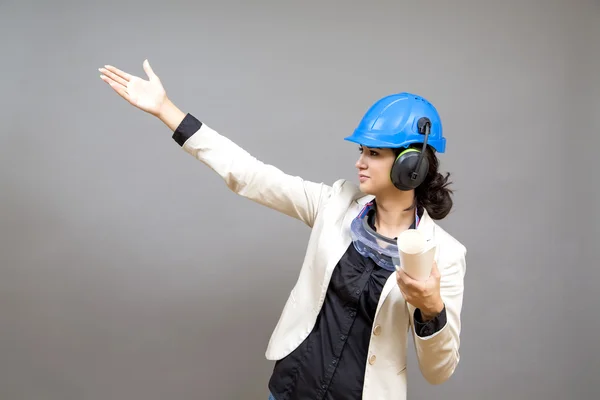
{"x":366,"y":188}
{"x":369,"y":188}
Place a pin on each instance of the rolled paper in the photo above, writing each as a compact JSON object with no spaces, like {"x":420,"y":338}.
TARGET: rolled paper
{"x":416,"y":254}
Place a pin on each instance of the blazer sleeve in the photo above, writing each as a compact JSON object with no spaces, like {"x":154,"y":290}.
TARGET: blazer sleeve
{"x":249,"y":177}
{"x":438,"y":354}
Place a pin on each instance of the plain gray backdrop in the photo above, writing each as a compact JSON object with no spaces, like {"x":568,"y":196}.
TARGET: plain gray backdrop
{"x":129,"y":271}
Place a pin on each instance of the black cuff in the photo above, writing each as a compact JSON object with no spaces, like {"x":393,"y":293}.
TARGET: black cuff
{"x":186,"y":129}
{"x":430,"y":327}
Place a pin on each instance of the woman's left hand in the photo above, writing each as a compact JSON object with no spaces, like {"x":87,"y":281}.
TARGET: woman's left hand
{"x":424,"y":295}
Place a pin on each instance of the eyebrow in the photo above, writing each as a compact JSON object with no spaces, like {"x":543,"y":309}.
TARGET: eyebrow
{"x":371,"y":148}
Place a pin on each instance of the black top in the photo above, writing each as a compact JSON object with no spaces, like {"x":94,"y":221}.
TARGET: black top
{"x":330,"y":363}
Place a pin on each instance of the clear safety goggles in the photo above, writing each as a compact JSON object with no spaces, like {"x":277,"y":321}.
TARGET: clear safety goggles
{"x":382,"y":250}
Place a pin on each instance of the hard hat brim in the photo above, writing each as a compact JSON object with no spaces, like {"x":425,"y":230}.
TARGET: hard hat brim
{"x":371,"y":142}
{"x":439,"y":145}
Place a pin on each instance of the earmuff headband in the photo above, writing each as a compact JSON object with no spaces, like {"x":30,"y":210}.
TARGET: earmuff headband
{"x":424,"y":126}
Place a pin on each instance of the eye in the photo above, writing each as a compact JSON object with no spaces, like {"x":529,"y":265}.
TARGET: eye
{"x":372,"y":153}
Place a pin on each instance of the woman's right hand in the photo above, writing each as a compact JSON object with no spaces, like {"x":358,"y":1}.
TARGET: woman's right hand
{"x":147,"y":95}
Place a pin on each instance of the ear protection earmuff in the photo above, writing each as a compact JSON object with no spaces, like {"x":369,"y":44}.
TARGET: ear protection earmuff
{"x":410,"y":167}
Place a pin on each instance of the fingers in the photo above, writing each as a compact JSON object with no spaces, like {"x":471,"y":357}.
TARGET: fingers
{"x":405,"y":282}
{"x":410,"y":285}
{"x":113,"y":83}
{"x":117,"y":87}
{"x":405,"y":278}
{"x":410,"y":299}
{"x":123,"y":75}
{"x":113,"y":76}
{"x":407,"y":287}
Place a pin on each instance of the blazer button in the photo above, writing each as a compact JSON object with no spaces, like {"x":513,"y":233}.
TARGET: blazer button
{"x":377,"y":330}
{"x":372,"y":359}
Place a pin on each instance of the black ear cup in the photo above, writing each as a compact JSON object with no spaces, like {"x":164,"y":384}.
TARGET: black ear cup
{"x":411,"y":166}
{"x":404,"y":168}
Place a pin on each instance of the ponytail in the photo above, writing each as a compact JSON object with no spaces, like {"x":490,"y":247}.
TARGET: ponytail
{"x":433,"y":194}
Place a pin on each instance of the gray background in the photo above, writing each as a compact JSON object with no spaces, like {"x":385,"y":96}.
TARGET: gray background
{"x":129,"y":271}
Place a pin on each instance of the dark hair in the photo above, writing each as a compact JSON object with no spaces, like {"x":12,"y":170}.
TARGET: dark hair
{"x":433,"y":194}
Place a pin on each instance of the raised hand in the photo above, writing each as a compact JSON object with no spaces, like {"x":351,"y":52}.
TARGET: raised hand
{"x":147,"y":95}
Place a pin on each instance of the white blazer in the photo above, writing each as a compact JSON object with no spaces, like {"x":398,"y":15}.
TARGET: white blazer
{"x":328,"y":211}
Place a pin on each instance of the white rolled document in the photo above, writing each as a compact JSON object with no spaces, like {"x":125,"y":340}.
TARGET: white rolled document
{"x":416,"y":254}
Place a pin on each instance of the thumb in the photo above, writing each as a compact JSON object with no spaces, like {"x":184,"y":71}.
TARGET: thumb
{"x":149,"y":71}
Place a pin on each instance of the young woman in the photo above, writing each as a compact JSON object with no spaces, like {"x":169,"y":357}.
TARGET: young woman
{"x":343,"y":331}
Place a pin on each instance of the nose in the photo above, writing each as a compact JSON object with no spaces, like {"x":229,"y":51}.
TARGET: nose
{"x":360,"y":163}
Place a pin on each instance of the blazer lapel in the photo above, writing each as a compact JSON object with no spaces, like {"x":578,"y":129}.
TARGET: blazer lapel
{"x":344,"y":232}
{"x":341,"y":238}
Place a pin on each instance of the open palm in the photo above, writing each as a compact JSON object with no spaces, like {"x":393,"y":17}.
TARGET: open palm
{"x":147,"y":95}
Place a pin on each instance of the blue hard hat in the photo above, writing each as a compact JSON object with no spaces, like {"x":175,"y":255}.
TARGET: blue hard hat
{"x":392,"y":122}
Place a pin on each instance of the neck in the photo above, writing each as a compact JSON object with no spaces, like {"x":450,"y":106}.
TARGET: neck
{"x":392,"y":216}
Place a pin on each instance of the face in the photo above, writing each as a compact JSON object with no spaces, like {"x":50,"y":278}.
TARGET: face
{"x":374,"y":166}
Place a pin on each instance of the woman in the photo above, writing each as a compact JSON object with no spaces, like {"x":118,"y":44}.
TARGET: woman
{"x":344,"y":328}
